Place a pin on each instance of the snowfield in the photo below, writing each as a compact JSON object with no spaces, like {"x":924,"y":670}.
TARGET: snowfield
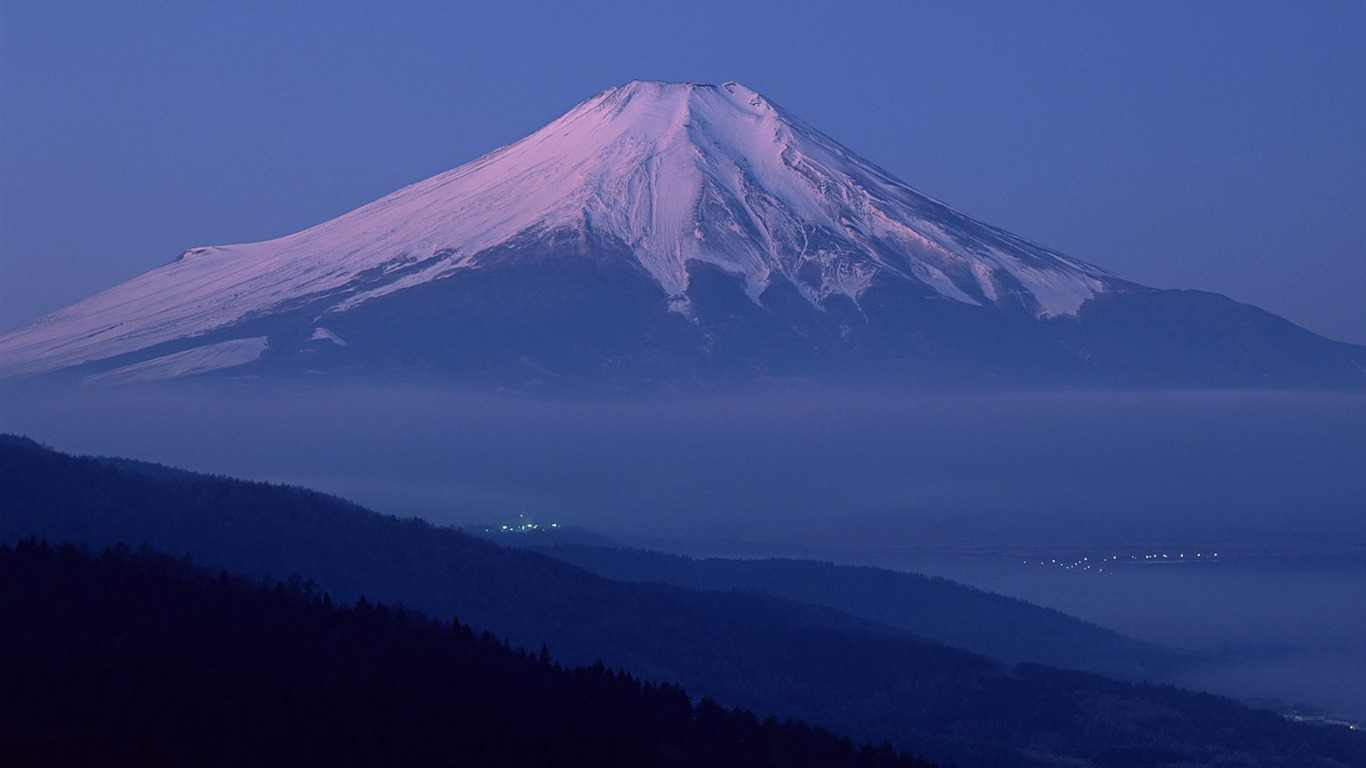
{"x":675,"y":172}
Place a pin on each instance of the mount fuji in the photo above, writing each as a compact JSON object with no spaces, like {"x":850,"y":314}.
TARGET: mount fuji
{"x":661,"y":233}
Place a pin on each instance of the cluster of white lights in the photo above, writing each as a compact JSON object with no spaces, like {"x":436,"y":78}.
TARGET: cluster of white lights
{"x":524,"y":527}
{"x":523,"y":524}
{"x":1099,"y":565}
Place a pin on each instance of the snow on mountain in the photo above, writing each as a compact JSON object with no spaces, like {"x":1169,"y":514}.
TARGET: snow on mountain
{"x":209,"y":357}
{"x":676,"y":172}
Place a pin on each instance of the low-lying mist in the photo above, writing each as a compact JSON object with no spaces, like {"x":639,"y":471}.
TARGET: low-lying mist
{"x":989,"y":489}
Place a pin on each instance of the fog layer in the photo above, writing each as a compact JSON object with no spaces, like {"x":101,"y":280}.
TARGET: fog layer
{"x":978,"y":487}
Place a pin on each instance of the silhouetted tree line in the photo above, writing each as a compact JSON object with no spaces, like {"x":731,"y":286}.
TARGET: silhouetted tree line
{"x":751,"y":650}
{"x":136,"y":658}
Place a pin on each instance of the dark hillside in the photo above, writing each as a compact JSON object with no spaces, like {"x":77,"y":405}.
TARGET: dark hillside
{"x":142,"y":659}
{"x":763,"y":653}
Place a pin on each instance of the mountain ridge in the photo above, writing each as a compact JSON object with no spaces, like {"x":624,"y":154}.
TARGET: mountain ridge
{"x":720,"y":217}
{"x":753,"y":650}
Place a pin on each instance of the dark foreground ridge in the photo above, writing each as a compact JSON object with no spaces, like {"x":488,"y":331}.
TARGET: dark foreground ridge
{"x":866,"y":680}
{"x":141,"y":659}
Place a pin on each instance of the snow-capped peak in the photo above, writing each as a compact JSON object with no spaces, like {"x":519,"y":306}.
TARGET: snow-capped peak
{"x":674,"y":172}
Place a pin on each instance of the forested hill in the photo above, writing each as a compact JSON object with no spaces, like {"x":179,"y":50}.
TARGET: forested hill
{"x":769,"y":655}
{"x":141,"y":659}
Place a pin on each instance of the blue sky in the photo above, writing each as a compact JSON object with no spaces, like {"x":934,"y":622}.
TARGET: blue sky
{"x":1213,"y":145}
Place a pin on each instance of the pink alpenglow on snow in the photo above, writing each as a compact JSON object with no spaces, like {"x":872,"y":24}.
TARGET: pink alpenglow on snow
{"x":677,"y":172}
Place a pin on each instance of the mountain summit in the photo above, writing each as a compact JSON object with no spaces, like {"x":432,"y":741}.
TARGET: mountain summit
{"x":662,"y":230}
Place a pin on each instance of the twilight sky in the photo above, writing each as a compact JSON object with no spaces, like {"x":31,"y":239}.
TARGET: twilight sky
{"x":1214,"y":145}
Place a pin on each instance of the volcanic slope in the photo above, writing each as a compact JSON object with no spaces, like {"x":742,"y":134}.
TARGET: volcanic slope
{"x":666,"y":231}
